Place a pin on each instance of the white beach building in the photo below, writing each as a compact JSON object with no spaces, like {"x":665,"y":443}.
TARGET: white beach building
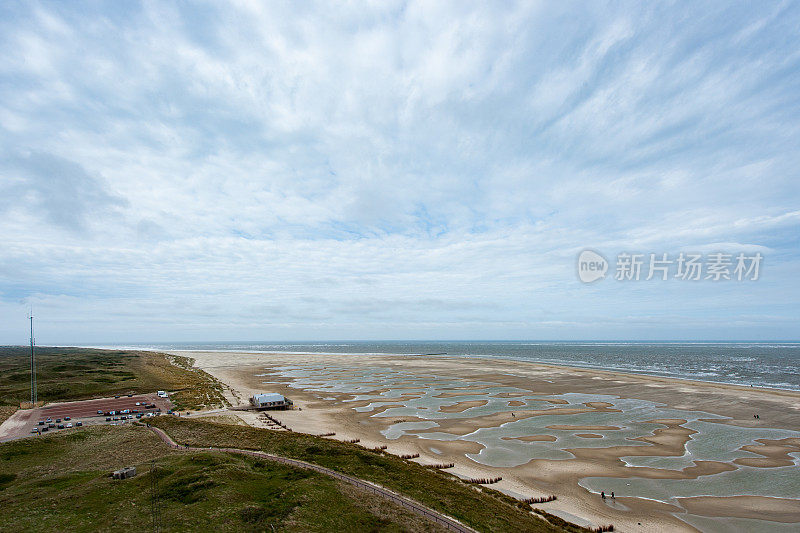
{"x":267,"y":400}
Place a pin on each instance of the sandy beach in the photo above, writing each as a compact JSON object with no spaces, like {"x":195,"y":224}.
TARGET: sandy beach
{"x":679,"y":455}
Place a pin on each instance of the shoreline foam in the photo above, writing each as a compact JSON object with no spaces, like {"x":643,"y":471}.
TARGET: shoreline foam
{"x":507,"y":357}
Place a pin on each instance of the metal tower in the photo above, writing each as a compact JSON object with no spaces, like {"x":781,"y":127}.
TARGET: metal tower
{"x":34,"y":392}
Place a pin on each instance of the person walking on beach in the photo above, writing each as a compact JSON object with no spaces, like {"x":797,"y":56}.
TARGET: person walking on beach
{"x":612,"y":495}
{"x":603,"y":494}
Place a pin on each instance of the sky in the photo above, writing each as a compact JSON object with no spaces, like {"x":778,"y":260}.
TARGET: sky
{"x":234,"y":171}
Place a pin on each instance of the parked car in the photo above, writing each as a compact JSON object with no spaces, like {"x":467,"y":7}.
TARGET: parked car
{"x":69,"y":425}
{"x":51,"y":425}
{"x":35,"y":430}
{"x":41,"y":422}
{"x":108,"y":419}
{"x":117,"y":396}
{"x":67,"y":418}
{"x":78,"y":424}
{"x":60,"y":426}
{"x":45,"y":429}
{"x":49,"y":420}
{"x":99,"y":412}
{"x":130,"y":395}
{"x":58,"y":420}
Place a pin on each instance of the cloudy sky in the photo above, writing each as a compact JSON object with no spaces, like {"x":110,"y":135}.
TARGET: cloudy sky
{"x":192,"y":171}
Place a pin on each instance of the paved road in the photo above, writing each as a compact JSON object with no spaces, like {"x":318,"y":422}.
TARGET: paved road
{"x":418,"y":508}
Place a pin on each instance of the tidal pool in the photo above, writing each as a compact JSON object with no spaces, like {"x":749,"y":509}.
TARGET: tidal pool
{"x":423,"y":395}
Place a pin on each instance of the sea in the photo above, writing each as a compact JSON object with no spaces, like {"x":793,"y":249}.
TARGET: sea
{"x":760,"y":364}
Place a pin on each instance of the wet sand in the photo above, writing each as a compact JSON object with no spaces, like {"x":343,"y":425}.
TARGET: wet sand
{"x":582,"y":428}
{"x":324,"y":412}
{"x":533,"y":438}
{"x":460,"y":407}
{"x":775,"y":453}
{"x":777,"y":509}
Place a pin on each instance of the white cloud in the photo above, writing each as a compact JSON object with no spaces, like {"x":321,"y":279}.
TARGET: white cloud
{"x":418,"y":168}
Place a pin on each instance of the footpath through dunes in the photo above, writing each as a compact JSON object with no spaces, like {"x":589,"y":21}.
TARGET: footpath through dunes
{"x":430,"y":514}
{"x":61,"y":482}
{"x":423,"y":490}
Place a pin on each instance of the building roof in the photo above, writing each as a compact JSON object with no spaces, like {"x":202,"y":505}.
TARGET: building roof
{"x":269,"y":397}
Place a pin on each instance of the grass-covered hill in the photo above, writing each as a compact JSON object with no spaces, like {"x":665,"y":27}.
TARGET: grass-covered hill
{"x":79,"y":373}
{"x":61,"y":483}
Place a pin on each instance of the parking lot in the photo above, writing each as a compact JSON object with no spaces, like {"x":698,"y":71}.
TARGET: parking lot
{"x":25,"y":422}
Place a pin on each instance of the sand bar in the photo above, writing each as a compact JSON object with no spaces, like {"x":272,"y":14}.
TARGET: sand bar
{"x":530,"y":381}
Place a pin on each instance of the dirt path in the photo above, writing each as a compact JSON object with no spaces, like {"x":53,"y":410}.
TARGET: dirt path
{"x":17,"y":425}
{"x":418,"y":508}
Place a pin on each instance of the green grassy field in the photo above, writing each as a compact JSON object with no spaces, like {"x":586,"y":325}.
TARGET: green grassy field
{"x":79,"y":373}
{"x":481,"y":508}
{"x":61,"y":483}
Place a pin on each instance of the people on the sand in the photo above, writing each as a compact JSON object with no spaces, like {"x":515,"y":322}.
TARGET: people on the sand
{"x":612,"y":495}
{"x":603,"y":494}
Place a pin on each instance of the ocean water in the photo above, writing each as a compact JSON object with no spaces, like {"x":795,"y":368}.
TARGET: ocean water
{"x":761,"y":364}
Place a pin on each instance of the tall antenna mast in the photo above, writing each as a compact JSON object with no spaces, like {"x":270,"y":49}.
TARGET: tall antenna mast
{"x":33,"y":365}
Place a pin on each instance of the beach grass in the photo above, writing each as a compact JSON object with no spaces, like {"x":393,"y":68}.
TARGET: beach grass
{"x":78,"y":373}
{"x":478,"y":507}
{"x":61,"y":483}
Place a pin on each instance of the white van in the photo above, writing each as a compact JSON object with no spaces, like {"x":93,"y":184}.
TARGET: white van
{"x":162,"y":394}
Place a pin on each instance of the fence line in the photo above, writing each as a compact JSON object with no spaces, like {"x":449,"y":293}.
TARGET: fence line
{"x":436,"y":516}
